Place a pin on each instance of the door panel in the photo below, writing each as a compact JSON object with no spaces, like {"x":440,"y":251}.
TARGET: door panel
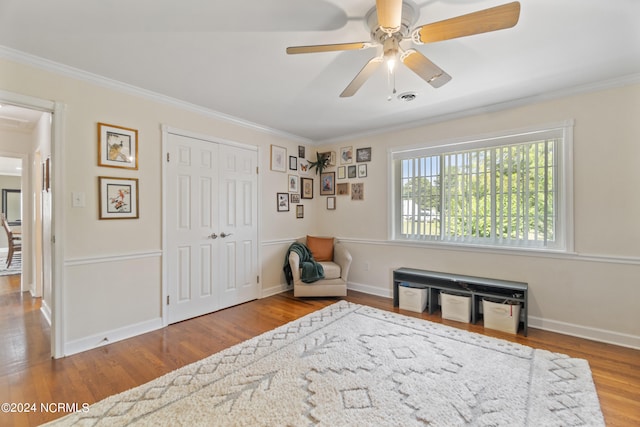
{"x":191,"y":219}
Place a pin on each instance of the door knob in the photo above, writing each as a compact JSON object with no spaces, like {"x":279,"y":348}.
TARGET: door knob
{"x":223,"y":234}
{"x":213,"y":236}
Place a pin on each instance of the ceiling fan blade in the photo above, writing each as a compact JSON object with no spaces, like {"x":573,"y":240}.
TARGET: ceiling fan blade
{"x":362,"y":77}
{"x":389,"y":14}
{"x":422,"y":66}
{"x":328,"y":47}
{"x":483,"y":21}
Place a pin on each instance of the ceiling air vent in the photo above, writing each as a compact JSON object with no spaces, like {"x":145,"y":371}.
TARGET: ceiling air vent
{"x":407,"y":96}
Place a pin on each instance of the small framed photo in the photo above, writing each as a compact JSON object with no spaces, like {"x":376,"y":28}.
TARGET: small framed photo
{"x":363,"y":154}
{"x":301,"y":152}
{"x":307,"y":188}
{"x":362,"y":171}
{"x":342,"y":189}
{"x":342,"y":172}
{"x":47,"y":174}
{"x":295,"y":198}
{"x":118,"y":198}
{"x":331,"y":156}
{"x":278,"y":158}
{"x":327,"y":183}
{"x":303,"y":167}
{"x":351,"y":172}
{"x":283,"y":202}
{"x":293,"y":163}
{"x":117,"y":146}
{"x":299,"y":211}
{"x":294,"y":184}
{"x":331,"y":203}
{"x":346,"y":155}
{"x":357,"y":191}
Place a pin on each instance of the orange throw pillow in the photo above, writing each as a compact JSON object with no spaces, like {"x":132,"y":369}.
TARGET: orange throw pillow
{"x":321,"y":248}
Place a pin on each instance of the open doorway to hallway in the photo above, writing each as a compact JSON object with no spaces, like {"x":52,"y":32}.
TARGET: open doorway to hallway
{"x":25,"y":281}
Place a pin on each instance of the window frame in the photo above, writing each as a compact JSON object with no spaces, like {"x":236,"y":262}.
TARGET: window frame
{"x":564,"y":182}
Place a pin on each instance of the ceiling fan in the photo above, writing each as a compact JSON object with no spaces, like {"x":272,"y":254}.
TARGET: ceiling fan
{"x":390,"y":23}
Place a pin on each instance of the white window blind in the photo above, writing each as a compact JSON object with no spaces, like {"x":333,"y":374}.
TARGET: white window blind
{"x":501,"y":191}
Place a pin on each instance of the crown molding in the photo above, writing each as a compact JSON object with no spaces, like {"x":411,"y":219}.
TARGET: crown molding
{"x":76,"y":73}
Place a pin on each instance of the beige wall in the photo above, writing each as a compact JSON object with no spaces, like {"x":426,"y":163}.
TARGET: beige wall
{"x":99,"y":301}
{"x":112,"y":269}
{"x":594,"y":292}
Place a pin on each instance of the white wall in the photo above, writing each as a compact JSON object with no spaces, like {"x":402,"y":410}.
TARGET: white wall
{"x":112,"y":275}
{"x":593,"y":292}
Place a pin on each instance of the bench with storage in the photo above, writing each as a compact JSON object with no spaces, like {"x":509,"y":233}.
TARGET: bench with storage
{"x":477,"y":288}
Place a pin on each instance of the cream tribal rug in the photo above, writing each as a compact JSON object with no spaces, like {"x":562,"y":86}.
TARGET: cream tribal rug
{"x":351,"y":365}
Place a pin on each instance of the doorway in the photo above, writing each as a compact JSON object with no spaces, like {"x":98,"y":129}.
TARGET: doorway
{"x":26,"y":137}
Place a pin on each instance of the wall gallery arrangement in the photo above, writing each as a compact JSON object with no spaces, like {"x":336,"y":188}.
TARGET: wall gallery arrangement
{"x":300,"y":184}
{"x":117,"y":196}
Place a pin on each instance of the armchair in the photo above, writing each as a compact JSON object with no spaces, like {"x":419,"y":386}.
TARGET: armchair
{"x":336,"y":261}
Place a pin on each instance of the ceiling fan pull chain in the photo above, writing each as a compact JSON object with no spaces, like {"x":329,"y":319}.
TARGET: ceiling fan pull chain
{"x":391,"y":84}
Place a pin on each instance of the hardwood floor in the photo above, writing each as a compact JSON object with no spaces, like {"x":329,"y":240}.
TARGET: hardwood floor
{"x":29,"y":376}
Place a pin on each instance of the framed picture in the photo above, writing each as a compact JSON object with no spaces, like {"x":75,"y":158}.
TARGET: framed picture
{"x":303,"y":167}
{"x":327,"y":183}
{"x":331,"y":203}
{"x":118,"y":197}
{"x":294,"y":184}
{"x":283,"y":202}
{"x":351,"y":172}
{"x":301,"y":151}
{"x":278,"y":159}
{"x":299,"y":211}
{"x":295,"y":198}
{"x":342,"y":172}
{"x":293,"y":163}
{"x":117,"y":146}
{"x":342,"y":189}
{"x":362,"y":171}
{"x":307,"y":188}
{"x":47,"y":174}
{"x":331,"y":155}
{"x":363,"y":154}
{"x":346,"y":155}
{"x":357,"y":191}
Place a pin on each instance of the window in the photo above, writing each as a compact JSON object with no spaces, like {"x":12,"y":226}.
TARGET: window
{"x":507,"y":190}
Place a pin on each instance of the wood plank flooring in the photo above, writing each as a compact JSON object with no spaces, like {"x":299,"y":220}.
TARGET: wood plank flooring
{"x":29,"y":376}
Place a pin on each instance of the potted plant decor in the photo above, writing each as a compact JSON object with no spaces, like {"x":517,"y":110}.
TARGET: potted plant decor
{"x":322,"y":161}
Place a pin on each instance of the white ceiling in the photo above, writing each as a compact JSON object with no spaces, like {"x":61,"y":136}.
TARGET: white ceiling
{"x":229,"y":56}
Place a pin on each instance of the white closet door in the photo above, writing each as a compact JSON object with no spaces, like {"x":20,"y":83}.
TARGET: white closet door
{"x":211,"y":227}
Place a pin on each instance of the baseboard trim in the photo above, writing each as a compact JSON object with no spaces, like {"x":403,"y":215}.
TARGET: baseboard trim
{"x":368,"y":289}
{"x":275,"y":290}
{"x":109,"y":337}
{"x":594,"y":334}
{"x":46,"y":311}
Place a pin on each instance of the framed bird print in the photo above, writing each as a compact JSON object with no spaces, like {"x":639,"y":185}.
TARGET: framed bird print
{"x":117,"y":146}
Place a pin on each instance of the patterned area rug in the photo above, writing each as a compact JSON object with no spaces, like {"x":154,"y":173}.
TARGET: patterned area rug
{"x":348,"y":365}
{"x":16,"y":264}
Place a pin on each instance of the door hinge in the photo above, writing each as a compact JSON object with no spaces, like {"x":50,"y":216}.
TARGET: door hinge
{"x":257,"y":170}
{"x":168,"y":157}
{"x":257,"y":279}
{"x":167,"y":299}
